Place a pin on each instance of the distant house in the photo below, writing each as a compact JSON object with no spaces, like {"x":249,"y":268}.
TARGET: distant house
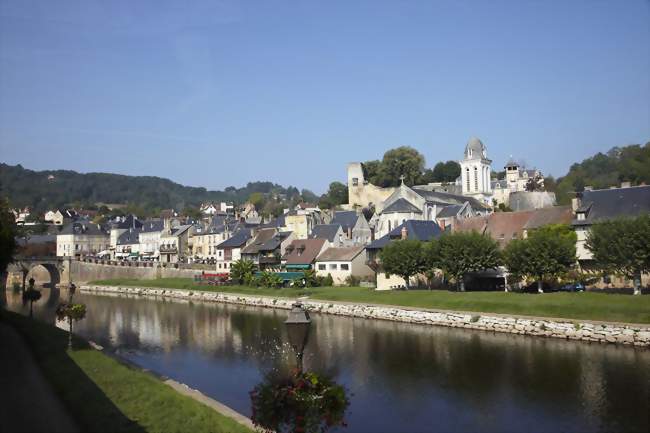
{"x":54,"y":217}
{"x":174,"y":243}
{"x":128,"y":244}
{"x":82,"y":238}
{"x":410,"y":229}
{"x":341,"y":263}
{"x":592,"y":206}
{"x":300,"y":254}
{"x":354,"y":225}
{"x":452,"y":214}
{"x":302,"y":221}
{"x":332,"y":233}
{"x":119,"y":226}
{"x":229,"y":251}
{"x":547,"y":216}
{"x":267,"y":248}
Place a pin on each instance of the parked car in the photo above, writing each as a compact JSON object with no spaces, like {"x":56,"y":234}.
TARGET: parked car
{"x":573,"y":287}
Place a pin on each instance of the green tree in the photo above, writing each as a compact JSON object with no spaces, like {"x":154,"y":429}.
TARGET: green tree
{"x":242,"y":270}
{"x":402,"y":161}
{"x":72,"y":313}
{"x":192,"y":212}
{"x":7,"y":240}
{"x":405,"y":258}
{"x":460,"y":253}
{"x":446,"y":171}
{"x":547,"y":253}
{"x":257,"y":199}
{"x":622,"y":246}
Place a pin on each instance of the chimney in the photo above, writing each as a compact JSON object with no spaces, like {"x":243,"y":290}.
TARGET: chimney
{"x":626,"y":184}
{"x":576,"y":202}
{"x":349,"y":232}
{"x":405,"y":233}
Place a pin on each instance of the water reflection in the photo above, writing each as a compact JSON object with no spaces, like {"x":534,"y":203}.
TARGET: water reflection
{"x":400,"y":377}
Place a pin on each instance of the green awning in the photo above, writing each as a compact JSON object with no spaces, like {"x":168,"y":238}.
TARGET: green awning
{"x":298,"y":266}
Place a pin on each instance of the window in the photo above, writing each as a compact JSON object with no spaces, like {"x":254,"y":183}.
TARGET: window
{"x":219,"y":265}
{"x":355,"y":181}
{"x":321,"y":267}
{"x":475,"y":179}
{"x":345,"y":267}
{"x":333,"y":267}
{"x":467,"y":178}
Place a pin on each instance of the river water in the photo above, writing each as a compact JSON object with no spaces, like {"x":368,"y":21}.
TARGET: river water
{"x":399,"y":377}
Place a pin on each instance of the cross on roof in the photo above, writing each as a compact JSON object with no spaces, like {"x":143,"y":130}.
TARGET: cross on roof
{"x":402,"y":177}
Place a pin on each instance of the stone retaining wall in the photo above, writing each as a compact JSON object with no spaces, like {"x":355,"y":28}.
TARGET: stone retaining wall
{"x":637,"y":335}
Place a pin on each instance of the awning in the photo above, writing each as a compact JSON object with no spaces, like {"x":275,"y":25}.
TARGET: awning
{"x":298,"y":266}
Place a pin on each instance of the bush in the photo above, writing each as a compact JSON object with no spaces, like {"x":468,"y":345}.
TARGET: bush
{"x":352,"y":281}
{"x":328,"y":281}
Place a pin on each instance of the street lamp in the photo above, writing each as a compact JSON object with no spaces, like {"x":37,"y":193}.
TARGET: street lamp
{"x":298,"y":330}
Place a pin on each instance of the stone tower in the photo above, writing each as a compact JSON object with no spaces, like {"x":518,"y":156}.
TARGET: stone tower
{"x":476,"y":171}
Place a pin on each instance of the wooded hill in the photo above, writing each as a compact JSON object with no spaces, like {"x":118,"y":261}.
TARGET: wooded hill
{"x":48,"y":189}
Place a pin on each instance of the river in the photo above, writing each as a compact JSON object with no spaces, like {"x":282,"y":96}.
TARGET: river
{"x":399,"y":377}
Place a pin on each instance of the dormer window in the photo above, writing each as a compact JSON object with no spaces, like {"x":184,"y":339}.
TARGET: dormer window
{"x":581,"y":216}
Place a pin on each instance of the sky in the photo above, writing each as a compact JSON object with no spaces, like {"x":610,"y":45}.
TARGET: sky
{"x":219,"y":93}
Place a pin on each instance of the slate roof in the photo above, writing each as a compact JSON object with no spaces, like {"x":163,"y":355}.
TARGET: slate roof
{"x":447,"y":198}
{"x":549,"y":215}
{"x":260,"y":239}
{"x":129,"y":237}
{"x":303,"y":251}
{"x":276,"y":222}
{"x":129,"y":221}
{"x":477,"y":224}
{"x":449,"y":211}
{"x":325,"y":231}
{"x":344,"y":254}
{"x":150,"y":226}
{"x":275,"y":242}
{"x":418,"y":230}
{"x":401,"y":206}
{"x":83,"y":228}
{"x":346,"y":219}
{"x":604,"y":204}
{"x":238,"y":239}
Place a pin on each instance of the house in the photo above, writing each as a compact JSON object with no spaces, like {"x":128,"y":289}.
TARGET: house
{"x":150,"y":234}
{"x":174,"y":242}
{"x":81,"y":238}
{"x":354,"y":226}
{"x":548,"y":216}
{"x":592,"y":206}
{"x":300,"y":254}
{"x":119,"y":226}
{"x":21,"y":215}
{"x":342,"y":263}
{"x":410,"y":229}
{"x":128,"y":244}
{"x":302,"y":221}
{"x":450,"y":215}
{"x":332,"y":233}
{"x":229,"y":251}
{"x":267,"y":248}
{"x":204,"y":240}
{"x":54,"y":217}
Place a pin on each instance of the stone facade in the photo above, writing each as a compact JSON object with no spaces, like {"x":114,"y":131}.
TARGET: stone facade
{"x":627,"y":334}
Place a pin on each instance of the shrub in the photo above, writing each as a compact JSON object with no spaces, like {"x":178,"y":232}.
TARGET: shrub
{"x":328,"y":281}
{"x":352,"y":281}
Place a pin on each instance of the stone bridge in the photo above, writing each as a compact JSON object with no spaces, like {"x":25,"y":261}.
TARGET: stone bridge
{"x":57,"y":267}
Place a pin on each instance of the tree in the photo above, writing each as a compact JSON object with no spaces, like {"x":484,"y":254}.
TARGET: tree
{"x":337,"y":194}
{"x":460,"y":253}
{"x":446,"y":171}
{"x":257,"y":199}
{"x":535,"y":183}
{"x":7,"y":240}
{"x":71,"y":312}
{"x":547,"y":253}
{"x":32,"y":295}
{"x":192,"y":212}
{"x":242,"y":270}
{"x":405,"y":258}
{"x":622,"y":246}
{"x":402,"y":161}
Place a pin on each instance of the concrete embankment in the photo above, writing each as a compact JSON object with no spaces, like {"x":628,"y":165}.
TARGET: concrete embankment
{"x":85,"y":271}
{"x":601,"y":332}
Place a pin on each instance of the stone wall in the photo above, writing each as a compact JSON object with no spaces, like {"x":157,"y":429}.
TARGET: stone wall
{"x":84,"y":271}
{"x":637,"y":335}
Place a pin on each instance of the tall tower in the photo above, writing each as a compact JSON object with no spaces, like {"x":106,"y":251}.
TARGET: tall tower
{"x":475,"y":171}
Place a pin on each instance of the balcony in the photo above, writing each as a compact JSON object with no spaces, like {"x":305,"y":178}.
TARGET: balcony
{"x":168,"y":249}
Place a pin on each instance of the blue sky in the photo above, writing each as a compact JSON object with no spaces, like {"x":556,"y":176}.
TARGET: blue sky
{"x":221,"y":93}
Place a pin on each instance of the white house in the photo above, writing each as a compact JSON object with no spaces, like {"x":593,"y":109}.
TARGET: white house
{"x":341,"y":263}
{"x":229,"y":251}
{"x":82,"y":238}
{"x":150,"y":238}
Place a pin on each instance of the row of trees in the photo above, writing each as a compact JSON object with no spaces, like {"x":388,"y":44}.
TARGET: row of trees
{"x":618,"y":247}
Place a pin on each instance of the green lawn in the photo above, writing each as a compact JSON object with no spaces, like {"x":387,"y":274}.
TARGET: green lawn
{"x":104,"y":395}
{"x":588,"y":306}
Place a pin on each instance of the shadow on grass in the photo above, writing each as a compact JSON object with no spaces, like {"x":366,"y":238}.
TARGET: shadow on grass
{"x":85,"y":401}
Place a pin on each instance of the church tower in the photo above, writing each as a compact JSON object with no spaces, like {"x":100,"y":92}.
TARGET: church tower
{"x":476,"y":171}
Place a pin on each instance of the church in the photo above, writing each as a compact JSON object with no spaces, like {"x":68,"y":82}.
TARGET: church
{"x":474,"y":193}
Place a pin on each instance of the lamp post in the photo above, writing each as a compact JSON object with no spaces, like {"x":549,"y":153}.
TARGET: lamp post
{"x":298,"y":330}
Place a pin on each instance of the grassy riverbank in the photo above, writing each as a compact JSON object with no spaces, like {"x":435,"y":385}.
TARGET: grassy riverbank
{"x":104,"y":395}
{"x":587,"y":306}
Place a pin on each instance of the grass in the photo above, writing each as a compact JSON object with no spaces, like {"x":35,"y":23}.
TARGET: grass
{"x":104,"y":395}
{"x":586,"y":306}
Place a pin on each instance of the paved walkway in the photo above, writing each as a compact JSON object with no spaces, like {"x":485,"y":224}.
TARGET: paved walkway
{"x":27,"y":402}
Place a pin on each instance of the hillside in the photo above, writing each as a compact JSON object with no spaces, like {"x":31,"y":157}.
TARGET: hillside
{"x":54,"y":188}
{"x":619,"y":164}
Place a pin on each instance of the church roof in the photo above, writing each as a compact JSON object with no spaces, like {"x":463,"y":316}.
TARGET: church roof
{"x":402,"y":206}
{"x":447,"y":198}
{"x":449,"y":211}
{"x":325,"y":231}
{"x":475,"y":149}
{"x":415,"y":229}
